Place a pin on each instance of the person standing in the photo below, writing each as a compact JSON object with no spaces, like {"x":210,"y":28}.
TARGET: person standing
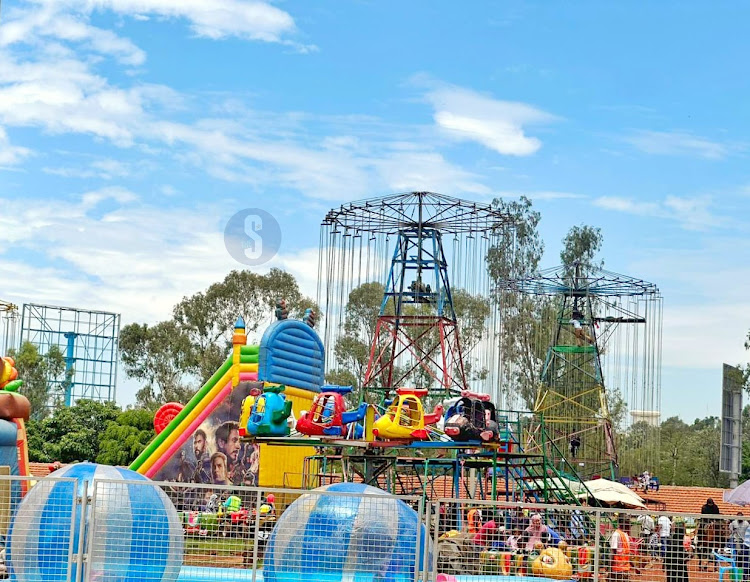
{"x":647,"y":530}
{"x":743,"y":556}
{"x":664,"y":526}
{"x":737,"y":530}
{"x":619,"y":545}
{"x":676,"y":561}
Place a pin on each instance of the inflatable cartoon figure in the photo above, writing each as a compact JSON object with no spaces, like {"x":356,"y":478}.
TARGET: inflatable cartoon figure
{"x":552,"y":563}
{"x":9,"y":375}
{"x":328,"y":415}
{"x":405,"y":417}
{"x":247,"y":408}
{"x":269,"y":413}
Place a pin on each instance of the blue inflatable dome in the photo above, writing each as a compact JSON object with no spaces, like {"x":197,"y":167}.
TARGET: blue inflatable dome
{"x":367,"y":535}
{"x":134,"y":529}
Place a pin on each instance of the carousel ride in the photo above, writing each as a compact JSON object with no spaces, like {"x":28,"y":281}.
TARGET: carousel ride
{"x":420,"y":352}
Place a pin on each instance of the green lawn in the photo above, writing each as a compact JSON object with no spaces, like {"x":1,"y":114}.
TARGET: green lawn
{"x":217,"y":545}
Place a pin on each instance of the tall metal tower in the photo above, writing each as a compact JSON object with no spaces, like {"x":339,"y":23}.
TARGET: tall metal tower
{"x":605,"y":352}
{"x":416,"y":338}
{"x":88,"y":341}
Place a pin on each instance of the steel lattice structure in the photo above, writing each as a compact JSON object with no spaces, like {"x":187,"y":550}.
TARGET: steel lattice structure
{"x":438,"y":241}
{"x":88,"y":341}
{"x":606,"y":331}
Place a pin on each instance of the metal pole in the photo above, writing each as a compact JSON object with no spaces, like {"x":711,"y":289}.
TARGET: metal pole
{"x":597,"y":548}
{"x":436,"y":537}
{"x":258,"y":501}
{"x":84,"y":545}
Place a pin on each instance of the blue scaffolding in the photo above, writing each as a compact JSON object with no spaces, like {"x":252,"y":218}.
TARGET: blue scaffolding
{"x":88,"y":341}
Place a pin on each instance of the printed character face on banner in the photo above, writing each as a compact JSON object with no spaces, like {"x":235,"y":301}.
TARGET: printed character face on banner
{"x":219,"y":468}
{"x":228,"y":440}
{"x":199,"y":444}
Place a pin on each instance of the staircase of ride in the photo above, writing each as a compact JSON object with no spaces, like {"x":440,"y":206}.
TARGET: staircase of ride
{"x":530,"y":471}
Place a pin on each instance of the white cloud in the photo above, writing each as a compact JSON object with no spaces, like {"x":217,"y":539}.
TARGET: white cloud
{"x":11,"y":155}
{"x":693,"y":213}
{"x":677,"y":144}
{"x":116,"y":193}
{"x":215,"y":19}
{"x":705,"y":300}
{"x":498,"y":125}
{"x":540,"y":195}
{"x":51,"y":20}
{"x":105,"y":168}
{"x":125,"y":261}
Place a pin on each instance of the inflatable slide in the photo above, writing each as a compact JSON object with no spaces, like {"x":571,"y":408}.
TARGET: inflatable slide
{"x":200,"y":443}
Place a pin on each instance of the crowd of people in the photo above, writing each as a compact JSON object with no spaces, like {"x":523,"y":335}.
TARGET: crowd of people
{"x":632,"y":544}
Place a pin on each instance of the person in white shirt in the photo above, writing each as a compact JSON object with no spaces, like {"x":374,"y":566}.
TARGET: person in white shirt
{"x":737,"y":530}
{"x":647,"y":525}
{"x":580,"y":333}
{"x":664,"y":524}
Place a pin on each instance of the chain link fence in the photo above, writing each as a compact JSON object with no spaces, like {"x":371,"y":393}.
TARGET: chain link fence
{"x":477,"y":540}
{"x":230,"y":533}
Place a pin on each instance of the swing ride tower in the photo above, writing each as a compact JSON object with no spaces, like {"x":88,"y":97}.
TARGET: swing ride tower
{"x":600,"y":374}
{"x":410,"y":244}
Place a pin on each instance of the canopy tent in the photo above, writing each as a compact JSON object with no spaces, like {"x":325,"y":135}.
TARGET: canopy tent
{"x":612,"y":493}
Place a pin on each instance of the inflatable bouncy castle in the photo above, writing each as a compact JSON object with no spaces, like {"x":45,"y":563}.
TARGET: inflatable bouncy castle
{"x":191,"y":437}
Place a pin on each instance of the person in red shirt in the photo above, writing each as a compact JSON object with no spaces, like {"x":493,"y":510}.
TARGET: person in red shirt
{"x":487,"y":535}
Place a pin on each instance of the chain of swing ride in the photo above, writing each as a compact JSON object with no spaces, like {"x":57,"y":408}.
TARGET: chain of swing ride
{"x":357,"y":244}
{"x":627,"y":322}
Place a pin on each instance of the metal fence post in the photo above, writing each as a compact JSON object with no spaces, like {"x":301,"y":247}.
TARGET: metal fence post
{"x":436,"y":537}
{"x":419,"y":564}
{"x":84,"y":541}
{"x":597,"y":545}
{"x":256,"y":534}
{"x":72,"y":553}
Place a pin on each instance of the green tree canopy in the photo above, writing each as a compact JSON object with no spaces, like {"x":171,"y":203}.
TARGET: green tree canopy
{"x":174,"y":357}
{"x":39,"y":372}
{"x":72,"y":433}
{"x":125,"y":437}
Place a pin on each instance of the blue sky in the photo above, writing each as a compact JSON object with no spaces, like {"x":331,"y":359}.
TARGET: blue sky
{"x":131,"y":130}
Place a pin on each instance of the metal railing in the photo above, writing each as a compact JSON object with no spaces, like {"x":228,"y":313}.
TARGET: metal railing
{"x":139,"y":530}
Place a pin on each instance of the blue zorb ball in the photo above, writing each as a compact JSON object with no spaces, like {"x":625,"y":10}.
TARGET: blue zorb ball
{"x":132,"y":530}
{"x":329,"y":538}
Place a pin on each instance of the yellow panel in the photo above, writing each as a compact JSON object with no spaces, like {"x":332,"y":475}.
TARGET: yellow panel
{"x":5,"y":490}
{"x":278,"y":462}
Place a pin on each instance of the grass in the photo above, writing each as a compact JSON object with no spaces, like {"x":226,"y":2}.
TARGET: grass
{"x":217,"y":545}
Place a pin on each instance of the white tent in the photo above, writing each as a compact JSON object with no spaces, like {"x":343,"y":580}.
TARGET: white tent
{"x":611,"y":492}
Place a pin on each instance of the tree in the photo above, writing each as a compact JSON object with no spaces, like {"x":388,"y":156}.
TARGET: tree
{"x":125,"y":437}
{"x":162,"y":357}
{"x":71,"y":433}
{"x":39,"y":372}
{"x":174,"y":357}
{"x":674,"y":433}
{"x":581,"y":245}
{"x":352,"y":349}
{"x":526,"y":328}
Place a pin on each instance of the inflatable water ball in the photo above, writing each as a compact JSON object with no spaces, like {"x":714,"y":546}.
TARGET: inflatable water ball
{"x":328,"y":538}
{"x":552,"y":563}
{"x":133,"y":529}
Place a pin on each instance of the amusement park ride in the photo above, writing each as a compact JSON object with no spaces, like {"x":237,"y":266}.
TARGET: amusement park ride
{"x":386,"y":437}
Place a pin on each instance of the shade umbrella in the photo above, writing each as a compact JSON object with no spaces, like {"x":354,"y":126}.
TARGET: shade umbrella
{"x":739,"y":495}
{"x":611,"y":493}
